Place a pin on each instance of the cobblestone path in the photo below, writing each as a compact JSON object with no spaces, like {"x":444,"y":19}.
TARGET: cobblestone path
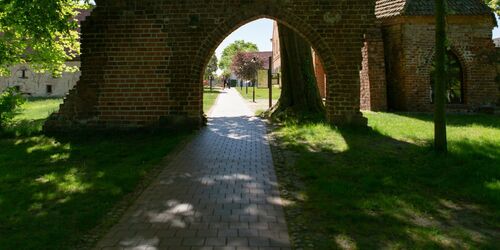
{"x":220,"y":192}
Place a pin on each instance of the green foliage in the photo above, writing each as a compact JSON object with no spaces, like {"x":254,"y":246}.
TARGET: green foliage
{"x":246,"y":66}
{"x":10,"y":100}
{"x":231,"y":50}
{"x":212,"y":67}
{"x":43,"y":33}
{"x":494,"y":4}
{"x":385,"y":188}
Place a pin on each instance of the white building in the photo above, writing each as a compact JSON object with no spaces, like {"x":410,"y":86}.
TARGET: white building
{"x":33,"y":84}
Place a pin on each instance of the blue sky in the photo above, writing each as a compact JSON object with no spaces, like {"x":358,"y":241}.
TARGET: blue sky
{"x":261,"y":31}
{"x":496,"y":31}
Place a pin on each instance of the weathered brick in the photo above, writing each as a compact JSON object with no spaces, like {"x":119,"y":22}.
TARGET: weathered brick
{"x":144,"y":48}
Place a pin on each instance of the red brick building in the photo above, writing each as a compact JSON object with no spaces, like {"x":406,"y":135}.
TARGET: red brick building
{"x":407,"y":31}
{"x":396,"y":71}
{"x":143,"y":62}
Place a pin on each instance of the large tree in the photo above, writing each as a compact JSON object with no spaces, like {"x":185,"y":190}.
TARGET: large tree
{"x":231,"y":50}
{"x":300,"y":95}
{"x":440,"y":141}
{"x":42,"y":32}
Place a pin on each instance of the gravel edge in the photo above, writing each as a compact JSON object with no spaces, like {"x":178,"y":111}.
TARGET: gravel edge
{"x":290,"y":186}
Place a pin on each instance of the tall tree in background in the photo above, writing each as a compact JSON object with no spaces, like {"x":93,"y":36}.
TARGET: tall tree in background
{"x":246,"y":66}
{"x":42,"y":32}
{"x":231,"y":50}
{"x":300,"y":94}
{"x":211,"y":67}
{"x":440,"y":141}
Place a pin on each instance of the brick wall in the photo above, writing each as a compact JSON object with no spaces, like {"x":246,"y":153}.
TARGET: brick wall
{"x":497,"y":79}
{"x":276,"y":49}
{"x":372,"y":74}
{"x":319,"y":71}
{"x":409,"y":44}
{"x":142,"y":64}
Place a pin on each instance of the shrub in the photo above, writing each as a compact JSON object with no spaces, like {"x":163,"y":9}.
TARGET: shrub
{"x":10,"y":100}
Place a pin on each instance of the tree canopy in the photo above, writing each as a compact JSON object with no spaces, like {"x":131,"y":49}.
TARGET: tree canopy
{"x":43,"y":33}
{"x":494,"y":4}
{"x":211,"y":67}
{"x":231,"y":50}
{"x":246,"y":65}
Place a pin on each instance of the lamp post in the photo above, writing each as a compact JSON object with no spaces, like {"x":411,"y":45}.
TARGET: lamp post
{"x":211,"y":82}
{"x":246,"y":84}
{"x":254,"y":60}
{"x":270,"y":81}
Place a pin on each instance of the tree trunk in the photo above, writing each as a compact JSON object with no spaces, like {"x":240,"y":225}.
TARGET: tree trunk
{"x":299,"y":95}
{"x":440,"y":142}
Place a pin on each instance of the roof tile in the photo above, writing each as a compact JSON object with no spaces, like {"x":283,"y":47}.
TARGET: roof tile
{"x":391,"y":8}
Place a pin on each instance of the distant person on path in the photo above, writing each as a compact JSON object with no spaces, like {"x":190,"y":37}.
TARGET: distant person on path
{"x":225,"y":82}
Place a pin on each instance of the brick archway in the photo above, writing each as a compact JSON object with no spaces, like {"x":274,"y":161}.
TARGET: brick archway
{"x":215,"y":38}
{"x":142,"y":60}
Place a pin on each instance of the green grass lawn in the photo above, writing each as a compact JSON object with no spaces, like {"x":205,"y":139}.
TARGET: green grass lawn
{"x":35,"y":109}
{"x":55,"y":189}
{"x":31,"y":116}
{"x":386,"y":188}
{"x":209,"y":98}
{"x":260,"y":93}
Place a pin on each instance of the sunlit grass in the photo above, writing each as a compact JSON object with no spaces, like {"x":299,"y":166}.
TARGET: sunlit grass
{"x":31,"y":116}
{"x":474,"y":128}
{"x":260,"y":93}
{"x":317,"y":137}
{"x":35,"y":109}
{"x":386,"y":188}
{"x":209,"y":98}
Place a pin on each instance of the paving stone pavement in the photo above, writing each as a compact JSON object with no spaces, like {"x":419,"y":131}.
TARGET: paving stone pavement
{"x":220,"y":192}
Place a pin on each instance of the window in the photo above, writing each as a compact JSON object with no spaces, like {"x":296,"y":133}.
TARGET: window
{"x":22,"y":73}
{"x":49,"y":89}
{"x":455,"y":79}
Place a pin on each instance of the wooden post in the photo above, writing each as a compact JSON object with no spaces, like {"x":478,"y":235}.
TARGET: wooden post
{"x":270,"y":81}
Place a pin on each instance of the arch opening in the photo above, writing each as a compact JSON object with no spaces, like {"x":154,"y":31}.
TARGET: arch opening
{"x":270,"y":56}
{"x":455,"y":74}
